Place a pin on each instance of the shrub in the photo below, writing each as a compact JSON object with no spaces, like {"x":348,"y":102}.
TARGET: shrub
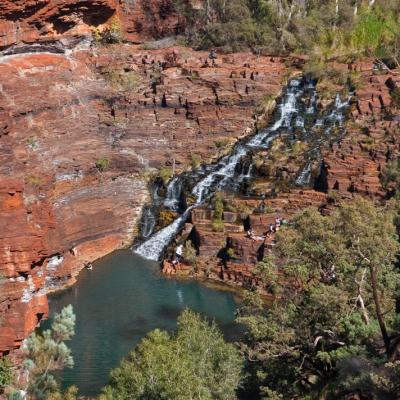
{"x":195,"y":160}
{"x":395,"y":95}
{"x":267,"y":104}
{"x":111,"y":34}
{"x":230,"y":253}
{"x":218,"y":206}
{"x":333,"y":196}
{"x":33,"y":180}
{"x":102,"y":164}
{"x":221,"y":143}
{"x":243,"y":208}
{"x":367,"y":143}
{"x":165,"y":174}
{"x":190,"y":253}
{"x":390,"y":176}
{"x":217,"y":226}
{"x":6,"y":374}
{"x":166,"y":217}
{"x":121,"y":80}
{"x":32,"y":142}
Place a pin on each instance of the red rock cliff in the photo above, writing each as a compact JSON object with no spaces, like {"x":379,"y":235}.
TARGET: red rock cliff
{"x":62,"y":114}
{"x":32,"y":22}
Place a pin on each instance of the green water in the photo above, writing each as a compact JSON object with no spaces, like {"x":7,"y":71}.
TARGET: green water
{"x":118,"y":302}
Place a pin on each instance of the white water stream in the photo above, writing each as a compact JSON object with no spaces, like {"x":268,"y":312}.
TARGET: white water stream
{"x":224,"y":174}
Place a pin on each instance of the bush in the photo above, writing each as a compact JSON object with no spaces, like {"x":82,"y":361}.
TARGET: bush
{"x":195,"y":160}
{"x":33,"y":180}
{"x":217,"y":226}
{"x":395,"y":95}
{"x":390,"y":176}
{"x":333,"y":196}
{"x":230,"y":253}
{"x":166,"y":217}
{"x":220,"y":144}
{"x":218,"y":206}
{"x":109,"y":35}
{"x":165,"y":174}
{"x":32,"y":142}
{"x":6,"y":374}
{"x":190,"y":253}
{"x":102,"y":164}
{"x":121,"y":80}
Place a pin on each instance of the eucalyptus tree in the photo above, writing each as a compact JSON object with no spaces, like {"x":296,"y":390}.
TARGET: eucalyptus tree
{"x":335,"y":281}
{"x":47,"y":351}
{"x":194,"y":363}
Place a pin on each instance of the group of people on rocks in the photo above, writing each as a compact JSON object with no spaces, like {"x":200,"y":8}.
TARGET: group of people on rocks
{"x":271,"y":230}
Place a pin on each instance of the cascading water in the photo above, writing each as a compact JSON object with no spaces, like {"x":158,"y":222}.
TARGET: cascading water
{"x":174,"y":191}
{"x":149,"y":223}
{"x":153,"y":248}
{"x":290,"y":116}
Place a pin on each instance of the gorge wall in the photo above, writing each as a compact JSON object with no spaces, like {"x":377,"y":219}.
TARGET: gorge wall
{"x":27,"y":22}
{"x":349,"y":166}
{"x":82,"y":127}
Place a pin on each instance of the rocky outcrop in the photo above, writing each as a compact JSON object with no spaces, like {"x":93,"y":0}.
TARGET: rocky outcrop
{"x":49,"y":21}
{"x":352,"y":165}
{"x":143,"y":20}
{"x":28,"y":22}
{"x":81,"y":132}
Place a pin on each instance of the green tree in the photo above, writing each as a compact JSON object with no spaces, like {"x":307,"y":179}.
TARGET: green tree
{"x":45,"y":352}
{"x":6,"y":374}
{"x":195,"y":363}
{"x":70,"y":393}
{"x":190,"y":253}
{"x":336,"y":283}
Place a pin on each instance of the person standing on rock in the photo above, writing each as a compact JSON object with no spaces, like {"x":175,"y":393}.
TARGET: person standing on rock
{"x":212,"y":56}
{"x":179,"y":252}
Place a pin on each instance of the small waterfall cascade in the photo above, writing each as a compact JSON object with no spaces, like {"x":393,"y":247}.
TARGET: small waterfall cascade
{"x":174,"y":191}
{"x":153,"y":248}
{"x":148,"y":223}
{"x":298,"y":104}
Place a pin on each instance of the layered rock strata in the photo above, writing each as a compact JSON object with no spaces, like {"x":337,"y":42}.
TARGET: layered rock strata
{"x":350,"y":166}
{"x":63,"y":22}
{"x":80,"y":132}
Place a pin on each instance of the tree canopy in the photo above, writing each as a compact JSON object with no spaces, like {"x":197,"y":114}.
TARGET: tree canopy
{"x":336,"y":283}
{"x":47,"y":351}
{"x":194,"y":363}
{"x":324,"y":28}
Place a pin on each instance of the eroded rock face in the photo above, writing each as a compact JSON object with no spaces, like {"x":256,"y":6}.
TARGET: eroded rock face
{"x":355,"y":163}
{"x":43,"y":21}
{"x":49,"y":20}
{"x":351,"y":166}
{"x":75,"y":151}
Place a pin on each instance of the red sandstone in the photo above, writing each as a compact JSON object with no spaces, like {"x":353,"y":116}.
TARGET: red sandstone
{"x":58,"y":116}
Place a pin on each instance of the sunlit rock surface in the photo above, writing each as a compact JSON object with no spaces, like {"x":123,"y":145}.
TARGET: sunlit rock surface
{"x":60,"y":116}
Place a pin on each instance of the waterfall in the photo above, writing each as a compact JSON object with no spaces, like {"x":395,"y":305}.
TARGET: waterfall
{"x":174,"y":191}
{"x":148,"y":222}
{"x":305,"y":176}
{"x":153,"y":248}
{"x":224,"y":174}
